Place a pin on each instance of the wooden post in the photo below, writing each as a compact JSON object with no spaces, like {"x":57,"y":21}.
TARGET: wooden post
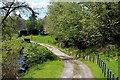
{"x":100,"y":63}
{"x":103,"y":67}
{"x":112,"y":76}
{"x":98,"y":60}
{"x":93,"y":59}
{"x":89,"y":58}
{"x":98,"y":56}
{"x":117,"y":78}
{"x":108,"y":73}
{"x":105,"y":70}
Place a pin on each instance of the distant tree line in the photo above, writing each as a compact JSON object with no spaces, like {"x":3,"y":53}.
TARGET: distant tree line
{"x":32,"y":27}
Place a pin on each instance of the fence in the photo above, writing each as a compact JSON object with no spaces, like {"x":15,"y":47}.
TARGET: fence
{"x":106,"y":71}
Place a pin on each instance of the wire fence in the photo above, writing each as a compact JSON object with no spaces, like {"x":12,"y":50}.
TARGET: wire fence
{"x":106,"y":71}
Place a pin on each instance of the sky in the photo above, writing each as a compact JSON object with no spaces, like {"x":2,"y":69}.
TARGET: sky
{"x":38,"y":4}
{"x":44,"y":5}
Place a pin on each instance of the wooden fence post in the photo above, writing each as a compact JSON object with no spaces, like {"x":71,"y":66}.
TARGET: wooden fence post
{"x":102,"y":66}
{"x":108,"y":73}
{"x":93,"y":59}
{"x":117,"y":78}
{"x":89,"y":58}
{"x":112,"y":76}
{"x":86,"y":57}
{"x":98,"y":56}
{"x":105,"y":71}
{"x":96,"y":59}
{"x":100,"y":62}
{"x":83,"y":56}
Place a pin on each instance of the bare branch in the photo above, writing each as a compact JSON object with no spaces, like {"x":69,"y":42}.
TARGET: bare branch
{"x":15,"y":6}
{"x":7,"y":12}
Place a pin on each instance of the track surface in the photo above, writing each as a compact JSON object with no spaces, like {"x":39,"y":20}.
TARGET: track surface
{"x":72,"y":68}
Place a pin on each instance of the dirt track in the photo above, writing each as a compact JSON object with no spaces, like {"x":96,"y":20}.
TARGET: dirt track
{"x":72,"y":68}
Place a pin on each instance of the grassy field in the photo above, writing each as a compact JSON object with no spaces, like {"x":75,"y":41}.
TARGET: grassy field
{"x":52,"y":69}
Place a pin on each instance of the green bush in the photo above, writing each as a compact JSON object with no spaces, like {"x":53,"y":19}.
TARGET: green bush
{"x":10,"y":52}
{"x":37,"y":54}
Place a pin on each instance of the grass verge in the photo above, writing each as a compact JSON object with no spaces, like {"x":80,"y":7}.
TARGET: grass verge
{"x":51,"y":69}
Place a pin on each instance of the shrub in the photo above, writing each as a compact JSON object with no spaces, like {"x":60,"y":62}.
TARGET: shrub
{"x":35,"y":54}
{"x":10,"y":52}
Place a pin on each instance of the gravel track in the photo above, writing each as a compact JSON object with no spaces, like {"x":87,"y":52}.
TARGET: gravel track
{"x":72,"y":68}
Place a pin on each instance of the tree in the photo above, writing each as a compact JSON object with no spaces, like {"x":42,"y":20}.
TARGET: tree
{"x":9,"y":7}
{"x":12,"y":8}
{"x":11,"y":47}
{"x":84,"y":25}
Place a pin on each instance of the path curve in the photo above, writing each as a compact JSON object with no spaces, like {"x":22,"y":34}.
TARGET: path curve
{"x":72,"y":68}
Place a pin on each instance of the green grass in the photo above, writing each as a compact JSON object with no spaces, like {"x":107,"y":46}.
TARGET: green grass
{"x":111,"y":64}
{"x":52,"y":69}
{"x":42,"y":39}
{"x":96,"y":71}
